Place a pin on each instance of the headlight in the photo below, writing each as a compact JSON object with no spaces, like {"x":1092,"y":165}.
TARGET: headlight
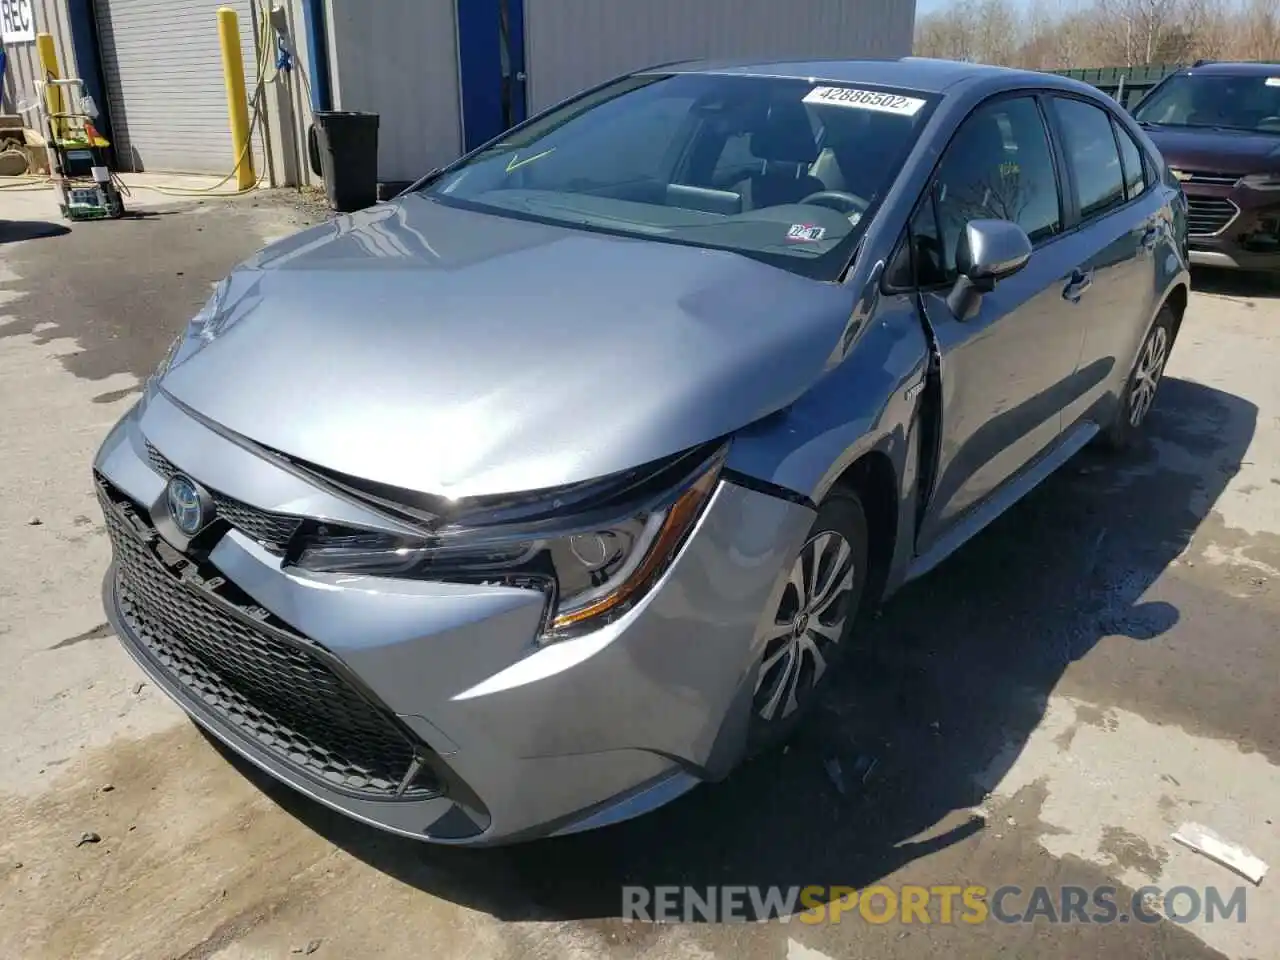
{"x":592,"y":566}
{"x":1260,"y":181}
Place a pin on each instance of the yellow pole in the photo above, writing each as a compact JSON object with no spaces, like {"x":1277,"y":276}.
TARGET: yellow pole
{"x":49,"y":67}
{"x":237,"y":100}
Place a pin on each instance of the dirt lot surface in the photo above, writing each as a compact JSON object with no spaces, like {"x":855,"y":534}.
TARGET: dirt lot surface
{"x":1046,"y":708}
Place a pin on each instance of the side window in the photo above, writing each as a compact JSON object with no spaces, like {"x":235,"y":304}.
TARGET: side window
{"x":1090,"y":146}
{"x":1135,"y":175}
{"x":927,"y":247}
{"x":998,"y":166}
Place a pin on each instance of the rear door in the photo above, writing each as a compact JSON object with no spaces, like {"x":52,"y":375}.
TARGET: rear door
{"x":1116,"y":223}
{"x":1006,"y":371}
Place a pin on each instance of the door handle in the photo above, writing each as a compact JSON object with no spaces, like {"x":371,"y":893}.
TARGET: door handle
{"x":1081,"y":280}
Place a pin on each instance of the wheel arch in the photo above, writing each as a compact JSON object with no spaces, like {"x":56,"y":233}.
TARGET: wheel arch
{"x":873,"y":477}
{"x":1177,"y":300}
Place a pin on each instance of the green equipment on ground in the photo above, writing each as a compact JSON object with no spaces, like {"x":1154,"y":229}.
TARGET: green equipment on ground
{"x":78,"y":163}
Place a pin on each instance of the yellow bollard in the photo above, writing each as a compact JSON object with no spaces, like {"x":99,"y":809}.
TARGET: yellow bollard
{"x":49,"y":67}
{"x":237,"y":100}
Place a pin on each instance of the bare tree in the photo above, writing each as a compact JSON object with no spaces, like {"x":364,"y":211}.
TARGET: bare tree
{"x":1258,"y":30}
{"x":1062,"y":34}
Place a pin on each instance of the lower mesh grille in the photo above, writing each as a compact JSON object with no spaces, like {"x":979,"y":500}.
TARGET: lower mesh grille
{"x":255,"y":675}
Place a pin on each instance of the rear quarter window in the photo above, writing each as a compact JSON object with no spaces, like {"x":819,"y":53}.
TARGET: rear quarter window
{"x":1133,"y":158}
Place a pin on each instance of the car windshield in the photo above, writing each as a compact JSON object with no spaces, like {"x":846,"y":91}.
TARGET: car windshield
{"x":785,"y":171}
{"x":1249,"y":103}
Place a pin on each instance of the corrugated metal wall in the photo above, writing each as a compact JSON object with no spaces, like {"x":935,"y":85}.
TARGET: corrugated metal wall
{"x":24,"y":63}
{"x":573,"y":44}
{"x":399,"y":58}
{"x":163,"y":66}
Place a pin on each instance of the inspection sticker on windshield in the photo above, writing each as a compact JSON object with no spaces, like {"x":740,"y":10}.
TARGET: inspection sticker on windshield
{"x":805,"y":233}
{"x":865,"y":100}
{"x":1273,"y":81}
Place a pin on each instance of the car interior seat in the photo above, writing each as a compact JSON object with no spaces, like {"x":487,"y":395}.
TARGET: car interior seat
{"x":856,"y":153}
{"x":785,"y":145}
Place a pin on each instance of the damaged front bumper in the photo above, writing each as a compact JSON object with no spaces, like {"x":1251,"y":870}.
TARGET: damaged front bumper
{"x":430,"y":709}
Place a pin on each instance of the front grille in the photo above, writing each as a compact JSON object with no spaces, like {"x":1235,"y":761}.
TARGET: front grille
{"x":1209,"y":216}
{"x":272,"y":685}
{"x":271,"y":530}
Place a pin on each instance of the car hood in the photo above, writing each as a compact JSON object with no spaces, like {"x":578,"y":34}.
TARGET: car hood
{"x":453,"y":352}
{"x":1214,"y":151}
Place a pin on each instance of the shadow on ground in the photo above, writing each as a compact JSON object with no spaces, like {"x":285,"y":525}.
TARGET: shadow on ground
{"x":1235,"y":283}
{"x":15,"y":231}
{"x":955,"y":676}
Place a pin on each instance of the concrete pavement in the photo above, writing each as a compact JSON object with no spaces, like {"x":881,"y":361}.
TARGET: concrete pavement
{"x":1046,"y":708}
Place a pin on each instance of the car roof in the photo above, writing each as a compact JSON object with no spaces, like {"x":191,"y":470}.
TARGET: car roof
{"x":915,"y":73}
{"x":1228,"y":69}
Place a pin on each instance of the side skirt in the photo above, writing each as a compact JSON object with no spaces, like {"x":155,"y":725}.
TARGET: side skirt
{"x":1030,"y":478}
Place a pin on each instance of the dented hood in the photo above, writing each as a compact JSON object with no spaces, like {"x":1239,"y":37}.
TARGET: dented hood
{"x":463,"y":354}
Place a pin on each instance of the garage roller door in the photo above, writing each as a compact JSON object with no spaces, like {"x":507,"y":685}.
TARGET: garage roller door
{"x":163,"y":69}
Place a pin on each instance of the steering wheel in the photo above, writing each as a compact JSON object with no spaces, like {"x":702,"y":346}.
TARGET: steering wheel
{"x":838,"y":200}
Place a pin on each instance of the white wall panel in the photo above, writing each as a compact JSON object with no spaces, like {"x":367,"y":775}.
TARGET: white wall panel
{"x":574,"y":44}
{"x":399,"y":59}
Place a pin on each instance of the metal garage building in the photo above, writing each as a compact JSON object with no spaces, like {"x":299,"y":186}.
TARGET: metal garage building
{"x":437,"y":69}
{"x":445,"y":75}
{"x":163,"y":71}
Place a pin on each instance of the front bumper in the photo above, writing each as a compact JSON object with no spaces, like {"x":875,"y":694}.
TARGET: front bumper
{"x":1232,"y":227}
{"x":429,"y":709}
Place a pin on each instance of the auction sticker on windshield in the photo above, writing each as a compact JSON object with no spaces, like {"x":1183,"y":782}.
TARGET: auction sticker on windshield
{"x":865,"y":100}
{"x":806,"y":233}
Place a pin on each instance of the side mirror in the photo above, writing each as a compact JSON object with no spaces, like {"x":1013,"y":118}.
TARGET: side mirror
{"x":988,"y":251}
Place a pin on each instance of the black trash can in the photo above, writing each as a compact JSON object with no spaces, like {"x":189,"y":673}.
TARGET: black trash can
{"x":344,"y":148}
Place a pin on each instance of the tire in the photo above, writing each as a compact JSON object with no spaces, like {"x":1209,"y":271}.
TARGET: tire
{"x":1142,"y":384}
{"x":811,"y":638}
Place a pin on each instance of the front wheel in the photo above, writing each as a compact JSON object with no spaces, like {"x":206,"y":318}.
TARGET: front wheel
{"x":1144,"y":380}
{"x":808,"y":633}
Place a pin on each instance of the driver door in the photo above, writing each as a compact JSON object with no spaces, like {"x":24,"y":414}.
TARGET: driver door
{"x":1006,"y":370}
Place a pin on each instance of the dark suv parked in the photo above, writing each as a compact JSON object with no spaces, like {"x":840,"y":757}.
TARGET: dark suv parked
{"x":1218,"y":126}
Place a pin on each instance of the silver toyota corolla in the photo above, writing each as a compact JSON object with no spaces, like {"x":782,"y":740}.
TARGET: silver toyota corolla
{"x":528,"y":501}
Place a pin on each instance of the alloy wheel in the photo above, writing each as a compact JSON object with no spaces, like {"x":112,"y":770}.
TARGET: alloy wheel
{"x":1146,"y":377}
{"x":809,"y":621}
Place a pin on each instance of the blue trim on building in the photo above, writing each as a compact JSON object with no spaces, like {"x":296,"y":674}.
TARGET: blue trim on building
{"x":480,"y":70}
{"x":315,"y":22}
{"x":519,"y":84}
{"x":83,"y":25}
